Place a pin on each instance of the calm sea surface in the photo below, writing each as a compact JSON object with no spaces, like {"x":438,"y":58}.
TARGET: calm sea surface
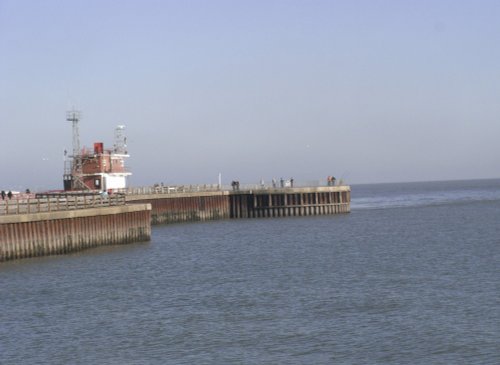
{"x":411,"y":276}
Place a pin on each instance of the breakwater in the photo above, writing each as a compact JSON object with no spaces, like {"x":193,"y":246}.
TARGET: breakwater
{"x":172,"y":206}
{"x":290,"y":202}
{"x":58,"y":224}
{"x":191,"y":206}
{"x":63,"y":231}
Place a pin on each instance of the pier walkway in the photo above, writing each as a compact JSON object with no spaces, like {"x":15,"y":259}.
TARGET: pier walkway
{"x":197,"y":203}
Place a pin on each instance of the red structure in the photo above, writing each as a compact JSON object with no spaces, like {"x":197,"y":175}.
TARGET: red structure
{"x":99,"y":169}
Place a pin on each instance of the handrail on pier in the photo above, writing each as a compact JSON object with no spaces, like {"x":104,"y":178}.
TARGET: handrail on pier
{"x":59,"y":203}
{"x":172,"y":189}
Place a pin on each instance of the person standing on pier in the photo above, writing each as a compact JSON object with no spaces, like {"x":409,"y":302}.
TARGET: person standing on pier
{"x":9,"y":194}
{"x":3,"y":194}
{"x":331,"y":180}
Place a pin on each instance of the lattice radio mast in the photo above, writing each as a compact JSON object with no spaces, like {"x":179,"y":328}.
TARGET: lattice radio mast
{"x":74,"y":116}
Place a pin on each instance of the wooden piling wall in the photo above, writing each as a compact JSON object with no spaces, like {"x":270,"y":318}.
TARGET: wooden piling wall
{"x":185,"y":207}
{"x":53,"y":233}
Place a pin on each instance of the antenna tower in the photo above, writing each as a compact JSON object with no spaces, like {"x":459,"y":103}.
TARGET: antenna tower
{"x":74,"y":116}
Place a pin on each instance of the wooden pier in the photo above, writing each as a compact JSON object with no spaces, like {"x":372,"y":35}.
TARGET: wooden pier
{"x":173,"y":206}
{"x":68,"y":223}
{"x":290,"y":202}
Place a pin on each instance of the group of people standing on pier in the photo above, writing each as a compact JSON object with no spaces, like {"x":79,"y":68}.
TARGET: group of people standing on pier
{"x":9,"y":194}
{"x":330,"y":180}
{"x":235,"y":184}
{"x":284,"y":183}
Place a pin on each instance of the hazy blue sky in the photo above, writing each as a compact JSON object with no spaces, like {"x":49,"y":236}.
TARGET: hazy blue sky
{"x":371,"y":91}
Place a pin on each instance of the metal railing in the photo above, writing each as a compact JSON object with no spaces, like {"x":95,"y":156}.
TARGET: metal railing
{"x":173,"y":189}
{"x":163,"y":189}
{"x":59,"y":203}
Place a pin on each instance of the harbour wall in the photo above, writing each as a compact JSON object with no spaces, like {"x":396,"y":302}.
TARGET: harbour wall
{"x":49,"y":226}
{"x":184,"y":206}
{"x":61,"y":232}
{"x":290,"y":202}
{"x":234,"y":204}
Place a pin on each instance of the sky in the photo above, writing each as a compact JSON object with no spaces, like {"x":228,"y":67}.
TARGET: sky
{"x":367,"y":91}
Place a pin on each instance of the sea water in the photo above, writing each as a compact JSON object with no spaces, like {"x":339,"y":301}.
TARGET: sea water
{"x":410,"y":276}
